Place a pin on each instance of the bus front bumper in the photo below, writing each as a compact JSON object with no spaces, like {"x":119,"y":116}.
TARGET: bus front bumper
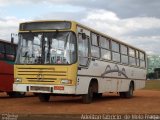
{"x":57,"y":89}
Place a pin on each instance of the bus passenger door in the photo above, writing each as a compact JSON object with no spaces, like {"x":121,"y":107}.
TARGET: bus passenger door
{"x":83,"y":50}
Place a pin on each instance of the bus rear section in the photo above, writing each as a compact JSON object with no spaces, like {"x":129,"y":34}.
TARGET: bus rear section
{"x":7,"y":58}
{"x":6,"y":76}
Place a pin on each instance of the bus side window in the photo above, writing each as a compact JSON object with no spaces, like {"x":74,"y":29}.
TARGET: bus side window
{"x":137,"y":58}
{"x":115,"y":51}
{"x":124,"y":54}
{"x":95,"y":50}
{"x":10,"y":52}
{"x":2,"y":51}
{"x":83,"y":50}
{"x":132,"y":55}
{"x":105,"y":48}
{"x":142,"y":60}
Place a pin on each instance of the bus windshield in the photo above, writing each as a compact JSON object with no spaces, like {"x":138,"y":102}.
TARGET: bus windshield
{"x":46,"y":48}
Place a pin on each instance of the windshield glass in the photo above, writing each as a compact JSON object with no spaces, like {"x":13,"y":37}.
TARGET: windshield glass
{"x":46,"y":48}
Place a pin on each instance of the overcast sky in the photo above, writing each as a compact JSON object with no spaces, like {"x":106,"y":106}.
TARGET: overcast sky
{"x":136,"y":22}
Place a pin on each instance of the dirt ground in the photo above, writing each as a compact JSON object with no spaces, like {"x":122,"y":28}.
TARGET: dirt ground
{"x":143,"y":102}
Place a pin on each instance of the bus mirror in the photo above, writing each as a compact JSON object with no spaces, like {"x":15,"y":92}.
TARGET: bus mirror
{"x":84,"y":36}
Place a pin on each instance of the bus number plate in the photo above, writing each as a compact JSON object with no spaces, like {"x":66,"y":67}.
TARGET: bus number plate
{"x":37,"y":88}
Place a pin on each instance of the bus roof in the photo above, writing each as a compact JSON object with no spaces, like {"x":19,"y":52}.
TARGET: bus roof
{"x":48,"y":21}
{"x":88,"y":28}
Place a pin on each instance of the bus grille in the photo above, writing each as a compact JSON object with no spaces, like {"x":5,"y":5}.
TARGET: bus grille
{"x":42,"y":74}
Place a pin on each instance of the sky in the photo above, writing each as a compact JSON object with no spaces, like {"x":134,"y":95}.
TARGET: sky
{"x":136,"y":22}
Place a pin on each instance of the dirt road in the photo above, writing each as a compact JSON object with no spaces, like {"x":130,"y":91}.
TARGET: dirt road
{"x":30,"y":108}
{"x":144,"y":101}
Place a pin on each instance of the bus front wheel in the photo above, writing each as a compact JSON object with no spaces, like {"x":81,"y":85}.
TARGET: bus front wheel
{"x":87,"y":98}
{"x":44,"y":97}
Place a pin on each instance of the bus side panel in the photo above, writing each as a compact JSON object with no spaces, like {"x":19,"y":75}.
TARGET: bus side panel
{"x":139,"y":84}
{"x":123,"y":85}
{"x":104,"y":85}
{"x":6,"y":76}
{"x":111,"y":77}
{"x":82,"y":85}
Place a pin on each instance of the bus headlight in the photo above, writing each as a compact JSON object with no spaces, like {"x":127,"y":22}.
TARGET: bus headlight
{"x":18,"y":80}
{"x":66,"y":81}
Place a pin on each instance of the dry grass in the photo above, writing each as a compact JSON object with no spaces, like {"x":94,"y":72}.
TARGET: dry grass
{"x":152,"y":85}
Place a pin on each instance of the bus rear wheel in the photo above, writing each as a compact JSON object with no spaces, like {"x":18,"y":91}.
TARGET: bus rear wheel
{"x":44,"y":97}
{"x":129,"y":93}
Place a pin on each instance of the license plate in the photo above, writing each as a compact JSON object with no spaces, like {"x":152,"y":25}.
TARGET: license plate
{"x":37,"y":88}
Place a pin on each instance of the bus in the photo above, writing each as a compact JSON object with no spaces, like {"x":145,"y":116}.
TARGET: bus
{"x":68,"y":58}
{"x":7,"y":58}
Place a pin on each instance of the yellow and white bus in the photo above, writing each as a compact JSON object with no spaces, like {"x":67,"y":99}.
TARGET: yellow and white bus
{"x":65,"y":57}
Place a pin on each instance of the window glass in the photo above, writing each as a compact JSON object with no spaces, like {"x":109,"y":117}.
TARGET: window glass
{"x":95,"y":51}
{"x":55,"y":25}
{"x":137,"y":54}
{"x":2,"y":50}
{"x":83,"y":50}
{"x":115,"y":46}
{"x":105,"y":54}
{"x":132,"y":61}
{"x":141,"y":56}
{"x":142,"y":63}
{"x":94,"y":39}
{"x":10,"y":49}
{"x":104,"y":43}
{"x":47,"y":48}
{"x":137,"y":60}
{"x":116,"y":57}
{"x":124,"y":59}
{"x":124,"y":49}
{"x":131,"y":52}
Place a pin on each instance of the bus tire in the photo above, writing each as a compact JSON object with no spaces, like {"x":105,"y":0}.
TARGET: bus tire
{"x":87,"y":98}
{"x":44,"y":97}
{"x":129,"y":93}
{"x":16,"y":94}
